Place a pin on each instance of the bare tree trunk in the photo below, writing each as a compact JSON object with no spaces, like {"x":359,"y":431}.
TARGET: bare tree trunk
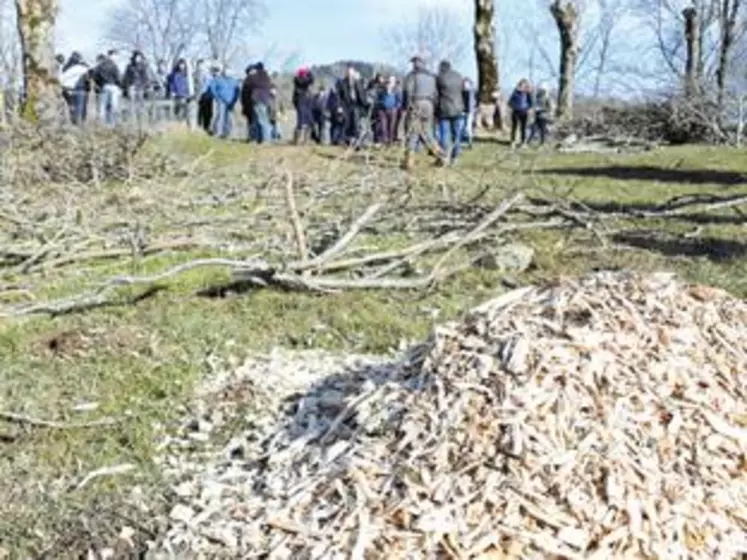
{"x":692,"y":62}
{"x":728,"y":24}
{"x":566,"y":18}
{"x":487,"y":63}
{"x":36,"y":21}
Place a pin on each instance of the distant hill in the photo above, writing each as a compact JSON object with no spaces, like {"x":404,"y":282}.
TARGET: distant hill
{"x":337,"y":69}
{"x":326,"y":74}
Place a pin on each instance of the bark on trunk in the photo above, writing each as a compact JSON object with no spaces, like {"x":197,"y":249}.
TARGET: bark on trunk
{"x":36,"y":21}
{"x":693,"y":42}
{"x":566,"y":18}
{"x":728,"y":23}
{"x":487,"y":62}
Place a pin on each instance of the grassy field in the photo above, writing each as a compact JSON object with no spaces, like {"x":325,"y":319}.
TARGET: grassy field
{"x":139,"y":360}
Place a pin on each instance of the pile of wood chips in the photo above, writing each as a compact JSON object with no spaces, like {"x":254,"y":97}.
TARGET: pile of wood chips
{"x":603,"y":417}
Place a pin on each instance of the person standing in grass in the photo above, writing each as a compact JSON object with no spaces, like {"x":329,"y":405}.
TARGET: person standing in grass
{"x":274,"y":111}
{"x":75,"y":86}
{"x":450,"y":109}
{"x":388,"y":107}
{"x":520,"y":104}
{"x":108,"y":82}
{"x":470,"y":107}
{"x":204,"y":103}
{"x":543,"y":110}
{"x":179,"y":90}
{"x":420,"y":96}
{"x":319,"y":115}
{"x":256,"y":98}
{"x":225,"y":91}
{"x":303,"y":101}
{"x":352,"y":95}
{"x":137,"y":85}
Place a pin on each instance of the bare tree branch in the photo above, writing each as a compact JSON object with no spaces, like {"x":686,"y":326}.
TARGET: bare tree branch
{"x":436,"y":33}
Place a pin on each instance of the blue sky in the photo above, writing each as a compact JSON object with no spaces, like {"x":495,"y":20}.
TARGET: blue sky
{"x":323,"y":31}
{"x":320,"y":30}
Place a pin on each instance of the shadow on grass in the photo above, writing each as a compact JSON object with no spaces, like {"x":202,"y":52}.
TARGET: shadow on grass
{"x":674,"y":204}
{"x":712,"y":248}
{"x":653,"y":174}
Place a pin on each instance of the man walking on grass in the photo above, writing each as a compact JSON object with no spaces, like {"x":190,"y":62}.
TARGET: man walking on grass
{"x":420,"y":96}
{"x":450,"y":111}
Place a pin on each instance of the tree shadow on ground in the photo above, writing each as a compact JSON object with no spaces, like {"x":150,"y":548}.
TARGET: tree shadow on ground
{"x":713,"y":248}
{"x":654,"y":174}
{"x":671,"y":209}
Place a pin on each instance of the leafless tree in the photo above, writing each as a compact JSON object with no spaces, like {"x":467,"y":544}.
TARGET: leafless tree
{"x":10,"y":47}
{"x":159,"y":28}
{"x":165,"y":29}
{"x":436,"y":33}
{"x":611,"y":13}
{"x":728,"y":25}
{"x":226,"y":25}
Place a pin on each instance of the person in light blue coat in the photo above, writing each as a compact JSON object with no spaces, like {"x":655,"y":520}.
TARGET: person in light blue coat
{"x":225,"y":91}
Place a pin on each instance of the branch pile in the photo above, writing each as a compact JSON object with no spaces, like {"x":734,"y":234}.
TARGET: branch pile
{"x":602,"y":417}
{"x":31,"y":155}
{"x":671,"y":121}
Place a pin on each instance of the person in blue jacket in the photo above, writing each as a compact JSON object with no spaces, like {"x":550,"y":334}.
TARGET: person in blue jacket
{"x":225,"y":91}
{"x":179,"y":89}
{"x":388,"y":106}
{"x":520,"y":104}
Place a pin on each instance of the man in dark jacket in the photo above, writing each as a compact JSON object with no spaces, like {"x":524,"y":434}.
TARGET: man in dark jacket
{"x":420,"y":96}
{"x":201,"y":79}
{"x":520,"y":103}
{"x":320,"y":115}
{"x":256,"y":97}
{"x":450,"y":110}
{"x":137,"y":84}
{"x":108,"y":82}
{"x":353,"y":101}
{"x":303,"y":101}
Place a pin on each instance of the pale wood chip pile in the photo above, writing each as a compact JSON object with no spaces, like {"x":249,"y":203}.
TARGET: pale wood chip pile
{"x":602,"y":417}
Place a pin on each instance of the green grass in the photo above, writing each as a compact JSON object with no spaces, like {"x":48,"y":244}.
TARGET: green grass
{"x":139,"y":362}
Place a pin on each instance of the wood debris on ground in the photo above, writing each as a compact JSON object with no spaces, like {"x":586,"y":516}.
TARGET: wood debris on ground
{"x":600,"y":417}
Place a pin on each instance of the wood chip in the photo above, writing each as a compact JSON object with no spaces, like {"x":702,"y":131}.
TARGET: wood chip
{"x":599,"y":417}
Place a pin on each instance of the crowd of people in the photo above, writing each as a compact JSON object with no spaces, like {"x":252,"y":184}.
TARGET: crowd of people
{"x":435,"y":110}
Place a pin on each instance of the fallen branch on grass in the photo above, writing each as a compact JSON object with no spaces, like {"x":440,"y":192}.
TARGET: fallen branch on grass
{"x":324,"y":273}
{"x":106,"y":471}
{"x":23,"y":420}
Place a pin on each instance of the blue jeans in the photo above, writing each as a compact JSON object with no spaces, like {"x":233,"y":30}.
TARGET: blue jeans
{"x":78,"y":105}
{"x":109,"y":103}
{"x":222,"y":122}
{"x":450,"y":136}
{"x":261,"y":123}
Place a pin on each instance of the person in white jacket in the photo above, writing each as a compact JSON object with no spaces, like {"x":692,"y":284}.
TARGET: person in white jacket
{"x":74,"y":78}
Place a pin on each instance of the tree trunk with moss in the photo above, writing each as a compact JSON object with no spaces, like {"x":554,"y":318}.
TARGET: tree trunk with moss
{"x":566,"y":18}
{"x":487,"y":64}
{"x":36,"y":22}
